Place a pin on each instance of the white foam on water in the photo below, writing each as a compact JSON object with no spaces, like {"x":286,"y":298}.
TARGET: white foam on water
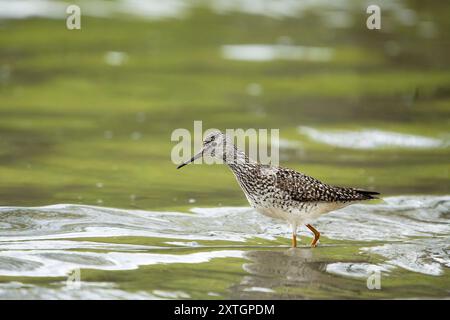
{"x":356,"y":270}
{"x":426,"y":257}
{"x":184,"y":244}
{"x":114,"y":58}
{"x":37,"y":241}
{"x":59,"y":291}
{"x":371,"y":139}
{"x":69,"y":245}
{"x":21,"y":9}
{"x":267,"y":52}
{"x":171,"y":294}
{"x":259,"y":289}
{"x":54,"y":263}
{"x":398,"y":218}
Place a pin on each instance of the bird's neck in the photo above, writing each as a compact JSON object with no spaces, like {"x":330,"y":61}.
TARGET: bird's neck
{"x":243,"y":168}
{"x":237,"y":159}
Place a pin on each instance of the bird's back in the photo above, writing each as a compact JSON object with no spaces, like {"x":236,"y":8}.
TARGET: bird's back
{"x":303,"y":188}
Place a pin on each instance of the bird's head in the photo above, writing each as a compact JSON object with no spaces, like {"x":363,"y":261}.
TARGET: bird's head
{"x":216,"y":145}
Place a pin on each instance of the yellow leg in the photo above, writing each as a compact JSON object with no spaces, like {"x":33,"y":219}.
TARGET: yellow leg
{"x":316,"y":235}
{"x":294,"y":240}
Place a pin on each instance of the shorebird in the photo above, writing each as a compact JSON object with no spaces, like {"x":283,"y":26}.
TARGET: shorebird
{"x":280,"y":192}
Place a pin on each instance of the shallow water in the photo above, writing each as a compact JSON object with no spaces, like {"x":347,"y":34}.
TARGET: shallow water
{"x":85,"y":125}
{"x":50,"y":242}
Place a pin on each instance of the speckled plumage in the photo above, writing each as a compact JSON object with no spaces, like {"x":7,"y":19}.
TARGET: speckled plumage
{"x":303,"y":198}
{"x":280,"y":192}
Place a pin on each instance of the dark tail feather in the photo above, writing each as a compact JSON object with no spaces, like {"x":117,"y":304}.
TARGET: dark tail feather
{"x":367,"y":195}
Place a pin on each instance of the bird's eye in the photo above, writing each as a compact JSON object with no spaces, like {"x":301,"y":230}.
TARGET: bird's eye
{"x":209,"y":140}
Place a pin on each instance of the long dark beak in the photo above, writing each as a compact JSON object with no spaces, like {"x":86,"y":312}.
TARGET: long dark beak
{"x":198,"y":155}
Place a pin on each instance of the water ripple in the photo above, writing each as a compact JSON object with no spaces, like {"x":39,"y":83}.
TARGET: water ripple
{"x":411,"y":233}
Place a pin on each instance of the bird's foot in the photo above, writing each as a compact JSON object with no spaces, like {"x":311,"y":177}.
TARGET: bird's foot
{"x":316,"y":235}
{"x":314,"y":243}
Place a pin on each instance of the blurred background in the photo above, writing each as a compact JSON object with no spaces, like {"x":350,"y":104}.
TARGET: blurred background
{"x":86,"y":115}
{"x":86,"y":118}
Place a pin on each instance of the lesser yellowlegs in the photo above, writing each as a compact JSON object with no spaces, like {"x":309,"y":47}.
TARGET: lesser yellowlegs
{"x":280,"y":192}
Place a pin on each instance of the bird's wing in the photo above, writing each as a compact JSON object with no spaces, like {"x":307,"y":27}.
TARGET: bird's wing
{"x":303,"y":188}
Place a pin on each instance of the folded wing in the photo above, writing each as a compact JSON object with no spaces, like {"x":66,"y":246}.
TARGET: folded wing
{"x":303,"y":188}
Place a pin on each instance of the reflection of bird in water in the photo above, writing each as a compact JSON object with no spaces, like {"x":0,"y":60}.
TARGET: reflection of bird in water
{"x":280,"y":270}
{"x":293,"y":274}
{"x":279,"y":192}
{"x":293,"y":266}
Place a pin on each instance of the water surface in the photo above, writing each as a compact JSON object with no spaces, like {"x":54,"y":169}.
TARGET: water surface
{"x":241,"y":253}
{"x":86,"y":116}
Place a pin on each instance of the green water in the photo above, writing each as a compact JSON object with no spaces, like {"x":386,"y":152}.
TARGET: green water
{"x":75,"y":129}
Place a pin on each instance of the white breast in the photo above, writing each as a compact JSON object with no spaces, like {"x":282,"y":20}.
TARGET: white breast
{"x":305,"y":215}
